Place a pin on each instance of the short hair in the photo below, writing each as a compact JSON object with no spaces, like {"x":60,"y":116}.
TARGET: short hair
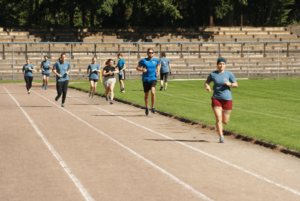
{"x":46,"y":56}
{"x":163,"y":54}
{"x":94,"y":57}
{"x":63,"y":54}
{"x":120,"y":55}
{"x":27,"y":59}
{"x":150,"y":49}
{"x":108,"y":60}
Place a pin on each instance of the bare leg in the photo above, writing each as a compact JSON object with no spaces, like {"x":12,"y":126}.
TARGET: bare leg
{"x":166,"y":84}
{"x":147,"y":99}
{"x":106,"y":91}
{"x":153,"y":96}
{"x":47,"y":80}
{"x":161,"y":83}
{"x":226,"y":116}
{"x":92,"y":86}
{"x":44,"y":80}
{"x":121,"y":84}
{"x":218,"y":114}
{"x":111,"y":89}
{"x":95,"y":86}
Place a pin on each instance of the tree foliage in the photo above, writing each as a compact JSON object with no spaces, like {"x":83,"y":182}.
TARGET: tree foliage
{"x":147,"y":13}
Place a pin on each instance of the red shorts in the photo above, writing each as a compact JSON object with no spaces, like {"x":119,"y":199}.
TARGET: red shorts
{"x":225,"y":104}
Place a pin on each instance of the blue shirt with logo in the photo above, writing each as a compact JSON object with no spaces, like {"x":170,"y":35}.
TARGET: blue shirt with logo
{"x":45,"y":66}
{"x":150,"y":65}
{"x":221,"y":90}
{"x":62,"y":68}
{"x":164,"y":62}
{"x":94,"y":75}
{"x":121,"y":63}
{"x":28,"y":72}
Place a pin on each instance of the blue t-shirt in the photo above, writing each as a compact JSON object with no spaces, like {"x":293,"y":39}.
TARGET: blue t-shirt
{"x":28,"y":73}
{"x":121,"y":63}
{"x":45,"y":66}
{"x":164,"y":62}
{"x":221,"y":91}
{"x":62,"y":69}
{"x":94,"y":75}
{"x":150,"y":65}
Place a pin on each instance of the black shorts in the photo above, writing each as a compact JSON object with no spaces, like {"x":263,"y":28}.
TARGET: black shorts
{"x":122,"y":77}
{"x":94,"y":80}
{"x":147,"y":85}
{"x":162,"y":75}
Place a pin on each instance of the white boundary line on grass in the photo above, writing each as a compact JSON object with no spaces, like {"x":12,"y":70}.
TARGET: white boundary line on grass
{"x":198,"y":150}
{"x":55,"y":154}
{"x":134,"y":153}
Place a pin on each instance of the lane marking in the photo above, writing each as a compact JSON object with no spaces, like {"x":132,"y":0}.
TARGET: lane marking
{"x":133,"y":152}
{"x":55,"y":154}
{"x":198,"y":150}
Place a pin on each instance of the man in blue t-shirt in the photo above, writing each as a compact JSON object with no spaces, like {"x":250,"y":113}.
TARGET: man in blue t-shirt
{"x":165,"y":69}
{"x":122,"y":67}
{"x":62,"y":70}
{"x":150,"y":68}
{"x":45,"y":66}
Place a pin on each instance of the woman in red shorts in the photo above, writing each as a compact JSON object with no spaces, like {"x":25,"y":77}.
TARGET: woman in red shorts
{"x":222,"y":98}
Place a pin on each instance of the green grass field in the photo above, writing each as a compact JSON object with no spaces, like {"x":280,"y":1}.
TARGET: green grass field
{"x":264,"y":109}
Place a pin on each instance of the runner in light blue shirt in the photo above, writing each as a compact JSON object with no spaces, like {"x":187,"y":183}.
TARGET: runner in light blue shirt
{"x":222,"y":98}
{"x":165,"y":69}
{"x":45,"y":67}
{"x":92,"y":72}
{"x":28,"y":70}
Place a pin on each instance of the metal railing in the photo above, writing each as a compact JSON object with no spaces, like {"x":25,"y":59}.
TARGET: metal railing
{"x":181,"y":49}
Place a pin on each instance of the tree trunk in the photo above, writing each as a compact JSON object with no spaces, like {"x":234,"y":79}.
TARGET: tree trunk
{"x":30,"y":12}
{"x":36,"y":13}
{"x":71,"y":10}
{"x":270,"y":8}
{"x":211,"y":17}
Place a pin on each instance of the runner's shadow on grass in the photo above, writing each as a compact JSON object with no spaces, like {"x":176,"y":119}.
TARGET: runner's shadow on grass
{"x":168,"y":140}
{"x":118,"y":115}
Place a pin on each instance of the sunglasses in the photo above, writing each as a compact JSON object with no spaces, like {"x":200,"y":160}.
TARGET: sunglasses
{"x":150,"y":52}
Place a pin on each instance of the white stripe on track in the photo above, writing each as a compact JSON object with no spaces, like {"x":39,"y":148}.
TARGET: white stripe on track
{"x":55,"y":154}
{"x":134,"y":153}
{"x":200,"y":151}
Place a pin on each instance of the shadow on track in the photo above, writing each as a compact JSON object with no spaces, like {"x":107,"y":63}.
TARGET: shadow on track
{"x":177,"y":140}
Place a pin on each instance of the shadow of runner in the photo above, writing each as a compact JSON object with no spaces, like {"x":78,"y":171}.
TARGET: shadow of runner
{"x":177,"y":140}
{"x":119,"y":115}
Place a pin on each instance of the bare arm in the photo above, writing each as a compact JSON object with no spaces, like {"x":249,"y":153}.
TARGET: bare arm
{"x":124,"y":67}
{"x":87,"y":71}
{"x":68,"y":72}
{"x":170,"y":68}
{"x":139,"y":68}
{"x":232,"y":84}
{"x":32,"y":69}
{"x":158,"y":69}
{"x":41,"y":67}
{"x":207,"y":87}
{"x":54,"y":71}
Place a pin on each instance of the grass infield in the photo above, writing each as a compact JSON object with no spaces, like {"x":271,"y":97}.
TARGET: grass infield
{"x":265,"y":109}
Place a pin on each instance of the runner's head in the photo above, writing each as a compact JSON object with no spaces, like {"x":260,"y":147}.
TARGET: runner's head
{"x":120,"y":56}
{"x":46,"y":58}
{"x":162,"y":54}
{"x":221,"y":63}
{"x":63,"y":57}
{"x":109,"y":62}
{"x":150,"y":53}
{"x":27,"y":61}
{"x":94,"y":59}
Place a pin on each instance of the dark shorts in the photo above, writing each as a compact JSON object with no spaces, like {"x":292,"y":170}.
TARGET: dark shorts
{"x":164,"y":75}
{"x":94,"y":80}
{"x":225,"y":104}
{"x":147,"y":85}
{"x":122,"y":77}
{"x":47,"y":74}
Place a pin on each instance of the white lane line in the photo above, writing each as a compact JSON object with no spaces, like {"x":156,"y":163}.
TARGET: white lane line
{"x":200,"y":151}
{"x":56,"y":155}
{"x":134,"y":153}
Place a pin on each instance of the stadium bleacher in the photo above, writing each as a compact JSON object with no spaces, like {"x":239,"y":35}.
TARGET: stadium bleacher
{"x":187,"y":59}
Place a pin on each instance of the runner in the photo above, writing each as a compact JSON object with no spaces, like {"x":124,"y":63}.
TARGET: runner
{"x":164,"y":70}
{"x":28,"y":70}
{"x":45,"y":66}
{"x":92,"y":71}
{"x":122,"y":67}
{"x":222,"y":98}
{"x":109,"y":79}
{"x":150,"y":68}
{"x":62,"y":69}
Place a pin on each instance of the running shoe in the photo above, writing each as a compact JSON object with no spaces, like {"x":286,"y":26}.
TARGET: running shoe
{"x":28,"y":92}
{"x":153,"y":111}
{"x":222,"y":140}
{"x":165,"y":89}
{"x":90,"y":94}
{"x":161,"y":88}
{"x":107,"y":98}
{"x":46,"y":88}
{"x":111,"y":102}
{"x":147,"y":111}
{"x":56,"y":99}
{"x":43,"y":86}
{"x":63,"y":105}
{"x":123,"y":91}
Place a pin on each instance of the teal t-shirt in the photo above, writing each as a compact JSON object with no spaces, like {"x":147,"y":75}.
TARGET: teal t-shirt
{"x":150,"y":65}
{"x":164,"y":62}
{"x":62,"y":68}
{"x":221,"y":91}
{"x":94,"y":75}
{"x":45,"y":66}
{"x":28,"y":73}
